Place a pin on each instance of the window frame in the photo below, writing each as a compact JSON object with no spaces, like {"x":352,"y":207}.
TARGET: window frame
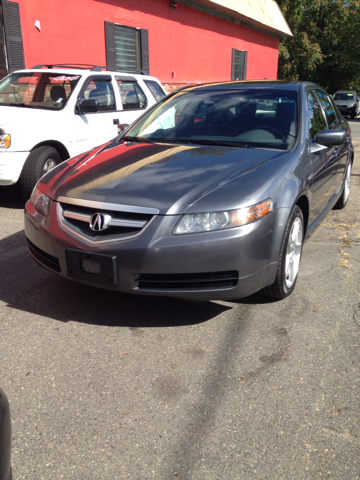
{"x":314,"y":93}
{"x":119,"y":80}
{"x":93,"y":78}
{"x":110,"y":48}
{"x":326,"y":114}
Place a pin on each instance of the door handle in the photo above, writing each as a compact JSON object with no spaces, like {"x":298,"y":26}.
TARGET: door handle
{"x":116,"y":121}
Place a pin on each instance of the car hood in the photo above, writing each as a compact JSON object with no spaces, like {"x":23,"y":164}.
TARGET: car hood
{"x":22,"y":117}
{"x":169,"y":178}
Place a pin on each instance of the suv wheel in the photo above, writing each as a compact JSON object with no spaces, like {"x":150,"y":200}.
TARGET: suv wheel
{"x":40,"y":161}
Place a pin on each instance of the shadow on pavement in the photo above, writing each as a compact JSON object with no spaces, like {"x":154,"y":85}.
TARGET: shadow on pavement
{"x":26,"y":286}
{"x":10,"y":197}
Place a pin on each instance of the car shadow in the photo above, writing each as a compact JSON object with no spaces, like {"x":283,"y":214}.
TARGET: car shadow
{"x":10,"y":197}
{"x":26,"y":286}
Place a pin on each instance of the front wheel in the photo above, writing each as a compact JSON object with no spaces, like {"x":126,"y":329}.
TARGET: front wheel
{"x":40,"y":161}
{"x":290,"y":257}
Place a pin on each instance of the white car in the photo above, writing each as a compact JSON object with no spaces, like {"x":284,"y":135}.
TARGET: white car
{"x":50,"y":113}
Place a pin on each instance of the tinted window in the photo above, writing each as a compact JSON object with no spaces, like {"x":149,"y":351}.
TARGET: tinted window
{"x":155,"y":89}
{"x":344,"y":97}
{"x":254,"y":117}
{"x":329,"y":109}
{"x":132,"y":97}
{"x":102,"y":91}
{"x":316,"y":116}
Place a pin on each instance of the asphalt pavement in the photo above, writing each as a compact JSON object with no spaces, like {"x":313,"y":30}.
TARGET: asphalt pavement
{"x":110,"y":386}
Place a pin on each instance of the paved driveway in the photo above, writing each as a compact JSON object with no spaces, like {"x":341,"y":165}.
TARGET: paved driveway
{"x":109,"y":386}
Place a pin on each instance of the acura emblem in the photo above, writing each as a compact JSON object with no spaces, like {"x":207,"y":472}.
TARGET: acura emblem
{"x":99,"y":222}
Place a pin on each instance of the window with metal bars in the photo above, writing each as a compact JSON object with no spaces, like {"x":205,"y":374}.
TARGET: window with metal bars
{"x":238,"y":64}
{"x":127,"y":48}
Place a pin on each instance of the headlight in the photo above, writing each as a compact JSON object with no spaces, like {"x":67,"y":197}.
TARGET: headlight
{"x":351,"y":105}
{"x":207,"y":222}
{"x":5,"y":140}
{"x":40,"y":201}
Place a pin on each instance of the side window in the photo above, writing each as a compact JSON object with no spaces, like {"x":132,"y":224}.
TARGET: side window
{"x":316,"y":117}
{"x":102,"y":91}
{"x":329,"y":109}
{"x":155,"y":89}
{"x":132,"y":97}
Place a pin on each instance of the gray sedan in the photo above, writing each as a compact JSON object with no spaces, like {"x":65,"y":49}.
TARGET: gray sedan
{"x":209,"y":195}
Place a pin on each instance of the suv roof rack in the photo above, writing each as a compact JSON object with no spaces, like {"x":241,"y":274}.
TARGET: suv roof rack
{"x":86,"y":66}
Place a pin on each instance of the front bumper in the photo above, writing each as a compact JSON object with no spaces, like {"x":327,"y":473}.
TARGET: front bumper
{"x":11,"y":165}
{"x":195,"y":266}
{"x":344,"y":110}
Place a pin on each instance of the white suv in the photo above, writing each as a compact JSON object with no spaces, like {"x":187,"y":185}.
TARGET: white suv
{"x":53,"y":112}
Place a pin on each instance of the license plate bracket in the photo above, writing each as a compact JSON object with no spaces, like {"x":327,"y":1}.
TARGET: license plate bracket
{"x":103,"y":266}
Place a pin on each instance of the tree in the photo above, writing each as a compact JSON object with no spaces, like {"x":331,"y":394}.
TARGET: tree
{"x":324,"y":48}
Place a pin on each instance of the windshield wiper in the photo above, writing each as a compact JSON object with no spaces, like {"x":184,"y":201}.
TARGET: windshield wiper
{"x":136,"y":139}
{"x":200,"y":141}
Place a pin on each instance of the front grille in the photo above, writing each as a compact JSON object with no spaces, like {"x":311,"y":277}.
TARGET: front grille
{"x":44,"y":258}
{"x":191,"y":281}
{"x":119,"y":224}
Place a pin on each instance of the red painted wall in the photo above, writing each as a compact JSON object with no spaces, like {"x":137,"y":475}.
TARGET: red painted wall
{"x":194,"y":45}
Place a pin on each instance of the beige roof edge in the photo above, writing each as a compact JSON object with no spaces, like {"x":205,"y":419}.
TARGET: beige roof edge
{"x":263,"y":15}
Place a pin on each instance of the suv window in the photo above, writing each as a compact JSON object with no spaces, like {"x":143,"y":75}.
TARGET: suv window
{"x":132,"y":97}
{"x":155,"y":89}
{"x":316,"y":116}
{"x":101,"y":90}
{"x":48,"y":91}
{"x":329,"y":109}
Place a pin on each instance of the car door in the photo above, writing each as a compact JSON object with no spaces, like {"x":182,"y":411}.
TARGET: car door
{"x":322,"y":184}
{"x":133,"y":99}
{"x":339,"y":157}
{"x":93,"y":129}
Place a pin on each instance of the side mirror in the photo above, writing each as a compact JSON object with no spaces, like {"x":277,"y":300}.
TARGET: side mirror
{"x":122,"y":127}
{"x":330,"y":138}
{"x":88,"y":106}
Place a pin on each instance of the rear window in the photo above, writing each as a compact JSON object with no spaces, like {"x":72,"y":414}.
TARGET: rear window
{"x":46,"y":90}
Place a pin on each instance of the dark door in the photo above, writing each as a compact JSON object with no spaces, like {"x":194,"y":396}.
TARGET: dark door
{"x":323,"y":159}
{"x":3,"y":67}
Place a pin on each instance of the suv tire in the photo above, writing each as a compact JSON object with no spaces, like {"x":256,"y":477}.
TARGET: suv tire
{"x":39,"y":162}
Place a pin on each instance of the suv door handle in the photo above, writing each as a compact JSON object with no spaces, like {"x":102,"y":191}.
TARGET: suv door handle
{"x":116,"y":121}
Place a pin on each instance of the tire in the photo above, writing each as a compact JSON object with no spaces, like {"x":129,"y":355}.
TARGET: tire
{"x":39,"y":162}
{"x":352,"y":115}
{"x":290,"y":257}
{"x":343,"y":199}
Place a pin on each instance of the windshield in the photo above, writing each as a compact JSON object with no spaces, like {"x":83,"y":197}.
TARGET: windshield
{"x":46,"y":90}
{"x":263,"y":118}
{"x":344,"y":96}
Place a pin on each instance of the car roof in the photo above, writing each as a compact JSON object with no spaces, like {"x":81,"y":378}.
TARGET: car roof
{"x":96,"y":70}
{"x":241,"y":84}
{"x":345,"y":91}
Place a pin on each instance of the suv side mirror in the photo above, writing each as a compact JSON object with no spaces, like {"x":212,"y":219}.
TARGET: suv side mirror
{"x":88,"y":105}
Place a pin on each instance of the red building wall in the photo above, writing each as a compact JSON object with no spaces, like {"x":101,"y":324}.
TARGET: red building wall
{"x":185,"y":45}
